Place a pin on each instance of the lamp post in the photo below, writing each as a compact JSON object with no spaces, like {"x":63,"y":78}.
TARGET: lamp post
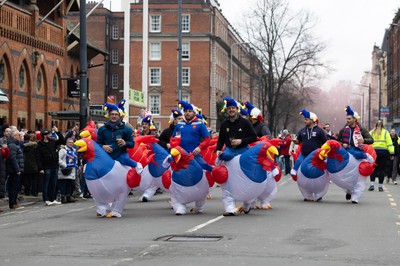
{"x":362,"y":102}
{"x":231,"y":70}
{"x":369,"y":102}
{"x":379,"y":90}
{"x":83,"y":100}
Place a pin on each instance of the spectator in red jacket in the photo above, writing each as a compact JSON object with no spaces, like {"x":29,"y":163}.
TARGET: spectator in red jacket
{"x":284,"y":149}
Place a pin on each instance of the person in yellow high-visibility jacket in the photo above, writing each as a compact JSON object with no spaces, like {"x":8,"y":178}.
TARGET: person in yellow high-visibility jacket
{"x":393,"y":166}
{"x":384,"y":149}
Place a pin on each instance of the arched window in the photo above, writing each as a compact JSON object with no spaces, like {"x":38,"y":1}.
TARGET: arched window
{"x":22,"y":77}
{"x":2,"y":71}
{"x":39,"y":81}
{"x":55,"y":83}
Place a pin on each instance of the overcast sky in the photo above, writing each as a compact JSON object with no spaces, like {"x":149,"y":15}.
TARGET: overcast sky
{"x":349,"y":27}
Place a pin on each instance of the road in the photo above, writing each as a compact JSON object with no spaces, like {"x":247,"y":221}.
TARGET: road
{"x":294,"y":232}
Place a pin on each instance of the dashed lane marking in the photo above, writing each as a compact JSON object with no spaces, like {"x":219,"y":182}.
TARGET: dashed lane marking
{"x":393,"y":204}
{"x":219,"y":217}
{"x":204,"y":224}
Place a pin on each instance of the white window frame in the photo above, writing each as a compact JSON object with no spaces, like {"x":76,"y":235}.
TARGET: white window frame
{"x":114,"y":56}
{"x":185,"y":51}
{"x":153,"y":104}
{"x":186,"y":23}
{"x":186,"y":76}
{"x":154,"y":54}
{"x":153,"y":27}
{"x":152,"y":83}
{"x":186,"y":97}
{"x":115,"y":32}
{"x":114,"y":81}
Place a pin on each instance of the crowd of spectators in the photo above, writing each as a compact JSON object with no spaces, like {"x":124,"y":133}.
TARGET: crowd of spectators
{"x":40,"y":164}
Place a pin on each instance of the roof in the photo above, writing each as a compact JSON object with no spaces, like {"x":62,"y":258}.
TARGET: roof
{"x":73,"y":48}
{"x":94,"y":114}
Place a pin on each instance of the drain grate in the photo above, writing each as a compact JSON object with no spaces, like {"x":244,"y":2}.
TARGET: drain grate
{"x":190,"y":238}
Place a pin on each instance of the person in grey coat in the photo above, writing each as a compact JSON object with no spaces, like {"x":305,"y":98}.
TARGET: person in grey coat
{"x":15,"y":167}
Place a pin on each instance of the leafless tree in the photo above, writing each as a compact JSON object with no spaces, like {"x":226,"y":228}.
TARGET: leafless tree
{"x":288,"y":50}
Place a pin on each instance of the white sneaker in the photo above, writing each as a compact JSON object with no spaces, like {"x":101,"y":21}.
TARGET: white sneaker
{"x":48,"y":203}
{"x":56,"y":202}
{"x":293,"y":172}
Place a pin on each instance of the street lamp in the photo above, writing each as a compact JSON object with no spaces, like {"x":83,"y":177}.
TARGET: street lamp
{"x":231,"y":70}
{"x":379,"y":89}
{"x":362,"y":102}
{"x":369,"y":102}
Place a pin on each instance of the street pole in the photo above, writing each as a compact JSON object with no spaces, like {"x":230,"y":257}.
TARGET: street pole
{"x":83,"y":100}
{"x":362,"y":104}
{"x":369,"y":106}
{"x":179,"y":50}
{"x":145,"y":52}
{"x":379,"y":93}
{"x":127,"y":48}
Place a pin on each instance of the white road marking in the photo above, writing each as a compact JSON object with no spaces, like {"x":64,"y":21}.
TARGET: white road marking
{"x":219,"y":217}
{"x":204,"y":224}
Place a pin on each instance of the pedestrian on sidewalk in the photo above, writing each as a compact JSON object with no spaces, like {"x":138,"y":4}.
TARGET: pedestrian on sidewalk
{"x":68,"y":161}
{"x":393,"y":165}
{"x":15,"y":167}
{"x":47,"y":159}
{"x":30,"y":174}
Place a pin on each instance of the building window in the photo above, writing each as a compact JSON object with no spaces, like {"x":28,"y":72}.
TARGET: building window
{"x":185,"y":76}
{"x":22,"y":77}
{"x":115,"y":32}
{"x":155,"y":51}
{"x":55,"y":84}
{"x":2,"y":71}
{"x":155,"y":76}
{"x":185,"y":23}
{"x":155,"y":23}
{"x":155,"y":104}
{"x":185,"y":51}
{"x":114,"y":56}
{"x":114,"y":81}
{"x":186,"y":98}
{"x":39,"y":81}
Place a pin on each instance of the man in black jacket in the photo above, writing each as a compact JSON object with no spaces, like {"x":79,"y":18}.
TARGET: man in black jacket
{"x":257,"y":120}
{"x":15,"y":167}
{"x":235,"y":132}
{"x":47,"y":159}
{"x":165,"y":136}
{"x":312,"y":137}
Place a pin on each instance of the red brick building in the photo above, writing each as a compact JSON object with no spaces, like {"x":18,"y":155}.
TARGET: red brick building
{"x":393,"y":71}
{"x":105,"y":74}
{"x":35,"y":60}
{"x":207,"y":43}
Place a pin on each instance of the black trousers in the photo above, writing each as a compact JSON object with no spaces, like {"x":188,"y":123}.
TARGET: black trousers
{"x":380,"y":168}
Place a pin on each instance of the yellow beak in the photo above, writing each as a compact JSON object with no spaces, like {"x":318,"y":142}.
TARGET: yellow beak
{"x":175,"y":154}
{"x":271,"y":152}
{"x":82,"y":144}
{"x":325,"y":150}
{"x":323,"y":154}
{"x":85,"y":134}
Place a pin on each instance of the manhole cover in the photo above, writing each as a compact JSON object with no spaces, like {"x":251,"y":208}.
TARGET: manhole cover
{"x":190,"y":238}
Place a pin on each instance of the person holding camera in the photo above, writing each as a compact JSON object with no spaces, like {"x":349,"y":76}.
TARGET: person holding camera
{"x":68,"y":161}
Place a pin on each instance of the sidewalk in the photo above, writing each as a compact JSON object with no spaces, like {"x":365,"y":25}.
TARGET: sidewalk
{"x":22,"y":200}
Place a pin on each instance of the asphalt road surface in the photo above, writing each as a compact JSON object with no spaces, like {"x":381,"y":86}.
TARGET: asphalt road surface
{"x":294,"y":232}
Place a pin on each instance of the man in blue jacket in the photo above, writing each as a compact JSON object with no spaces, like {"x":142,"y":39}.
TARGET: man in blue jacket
{"x":115,"y":137}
